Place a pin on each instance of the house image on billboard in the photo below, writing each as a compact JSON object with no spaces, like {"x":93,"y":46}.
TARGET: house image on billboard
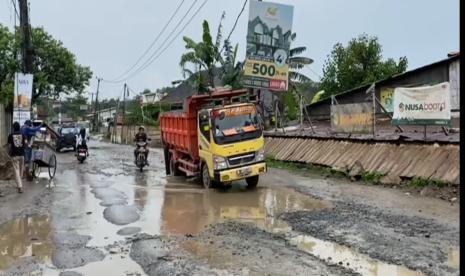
{"x":264,"y":41}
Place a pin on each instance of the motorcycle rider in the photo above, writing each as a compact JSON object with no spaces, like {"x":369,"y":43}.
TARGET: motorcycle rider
{"x":141,"y":136}
{"x":81,"y":140}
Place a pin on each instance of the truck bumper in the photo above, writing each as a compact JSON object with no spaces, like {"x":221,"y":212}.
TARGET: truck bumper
{"x":240,"y":172}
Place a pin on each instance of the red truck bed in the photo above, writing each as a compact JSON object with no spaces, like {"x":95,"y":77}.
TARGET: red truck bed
{"x":179,"y":128}
{"x":179,"y":131}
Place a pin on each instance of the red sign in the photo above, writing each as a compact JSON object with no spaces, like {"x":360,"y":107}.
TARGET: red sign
{"x":278,"y":85}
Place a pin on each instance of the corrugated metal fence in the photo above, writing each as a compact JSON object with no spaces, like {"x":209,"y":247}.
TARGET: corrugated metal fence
{"x":438,"y":162}
{"x":5,"y":125}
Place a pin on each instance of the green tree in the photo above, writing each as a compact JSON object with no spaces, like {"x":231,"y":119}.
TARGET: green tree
{"x":8,"y":65}
{"x":72,"y":106}
{"x":297,"y":80}
{"x":359,"y":63}
{"x":231,"y":71}
{"x":204,"y":55}
{"x":296,"y":63}
{"x":54,"y":67}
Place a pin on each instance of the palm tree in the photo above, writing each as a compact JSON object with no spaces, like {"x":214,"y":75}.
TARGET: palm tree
{"x":296,"y":63}
{"x":290,"y":100}
{"x":204,"y":55}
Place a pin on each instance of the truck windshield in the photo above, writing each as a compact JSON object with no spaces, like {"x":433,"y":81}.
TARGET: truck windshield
{"x":235,"y":124}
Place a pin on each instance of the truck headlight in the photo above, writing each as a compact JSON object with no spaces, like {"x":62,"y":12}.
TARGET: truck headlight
{"x":219,"y":163}
{"x":260,"y":155}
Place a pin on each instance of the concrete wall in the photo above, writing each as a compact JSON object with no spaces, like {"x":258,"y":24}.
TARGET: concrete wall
{"x":5,"y":125}
{"x":394,"y":161}
{"x":125,"y":135}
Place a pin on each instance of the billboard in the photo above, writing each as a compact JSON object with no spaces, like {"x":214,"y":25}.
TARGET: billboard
{"x":352,"y":118}
{"x":22,"y":97}
{"x":387,"y":99}
{"x":425,"y":105}
{"x":269,"y":38}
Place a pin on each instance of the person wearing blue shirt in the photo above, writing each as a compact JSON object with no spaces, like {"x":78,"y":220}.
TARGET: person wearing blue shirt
{"x":28,"y":131}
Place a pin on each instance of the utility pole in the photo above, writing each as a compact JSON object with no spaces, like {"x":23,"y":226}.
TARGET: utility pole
{"x":124,"y":101}
{"x":26,"y":51}
{"x":97,"y":107}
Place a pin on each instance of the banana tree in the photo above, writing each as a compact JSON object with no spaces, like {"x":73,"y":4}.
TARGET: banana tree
{"x":204,"y":56}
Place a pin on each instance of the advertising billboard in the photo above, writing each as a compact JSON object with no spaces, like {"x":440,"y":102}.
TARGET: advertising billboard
{"x":425,"y":105}
{"x":352,"y":118}
{"x":269,"y":38}
{"x":22,"y":97}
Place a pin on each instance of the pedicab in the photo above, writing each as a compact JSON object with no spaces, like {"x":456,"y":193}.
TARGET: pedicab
{"x":43,"y":157}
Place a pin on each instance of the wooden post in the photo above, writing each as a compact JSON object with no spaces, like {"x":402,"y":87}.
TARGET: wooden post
{"x":425,"y":133}
{"x":374,"y":112}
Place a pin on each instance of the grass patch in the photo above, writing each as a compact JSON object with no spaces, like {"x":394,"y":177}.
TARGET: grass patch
{"x":418,"y":182}
{"x":306,"y":169}
{"x":372,"y":177}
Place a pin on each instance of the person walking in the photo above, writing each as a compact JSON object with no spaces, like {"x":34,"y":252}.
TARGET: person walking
{"x":28,"y":133}
{"x":16,"y":150}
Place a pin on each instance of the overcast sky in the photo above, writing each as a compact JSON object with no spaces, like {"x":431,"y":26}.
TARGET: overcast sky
{"x":110,"y":35}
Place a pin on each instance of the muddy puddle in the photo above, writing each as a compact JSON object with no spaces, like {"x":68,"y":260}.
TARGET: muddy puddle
{"x":189,"y":211}
{"x":342,"y":255}
{"x":25,"y":237}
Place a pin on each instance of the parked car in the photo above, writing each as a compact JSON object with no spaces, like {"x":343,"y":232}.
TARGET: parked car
{"x":67,"y":138}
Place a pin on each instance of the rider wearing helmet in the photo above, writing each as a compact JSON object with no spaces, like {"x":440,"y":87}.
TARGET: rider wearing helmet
{"x":141,"y":136}
{"x":81,"y":140}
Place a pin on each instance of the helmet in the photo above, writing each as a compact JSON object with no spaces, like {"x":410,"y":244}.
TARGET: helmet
{"x":142,"y":127}
{"x":28,"y":123}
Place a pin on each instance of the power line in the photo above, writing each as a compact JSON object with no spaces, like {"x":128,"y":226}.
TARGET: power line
{"x":153,"y":57}
{"x":237,"y":19}
{"x":318,"y":75}
{"x":14,"y":6}
{"x":154,"y":53}
{"x":153,"y":42}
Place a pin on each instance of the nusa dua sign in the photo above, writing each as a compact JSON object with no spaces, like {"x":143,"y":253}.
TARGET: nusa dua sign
{"x":425,"y":105}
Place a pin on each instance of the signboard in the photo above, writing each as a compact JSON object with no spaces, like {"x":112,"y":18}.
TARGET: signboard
{"x":268,"y":43}
{"x":425,"y":105}
{"x":22,"y":97}
{"x":387,"y":99}
{"x":352,"y":118}
{"x":83,"y":107}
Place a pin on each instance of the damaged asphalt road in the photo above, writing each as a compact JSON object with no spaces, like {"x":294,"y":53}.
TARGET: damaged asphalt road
{"x":105,"y":217}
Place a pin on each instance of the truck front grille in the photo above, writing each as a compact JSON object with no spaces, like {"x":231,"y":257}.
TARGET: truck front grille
{"x":241,"y":159}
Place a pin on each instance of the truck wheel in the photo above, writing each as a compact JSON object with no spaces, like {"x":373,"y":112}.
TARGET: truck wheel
{"x":166,"y":153}
{"x":252,"y":181}
{"x":173,"y":169}
{"x":206,"y":180}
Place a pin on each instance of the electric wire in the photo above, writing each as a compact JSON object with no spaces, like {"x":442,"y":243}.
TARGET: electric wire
{"x":153,"y":57}
{"x":138,"y":70}
{"x":153,"y":42}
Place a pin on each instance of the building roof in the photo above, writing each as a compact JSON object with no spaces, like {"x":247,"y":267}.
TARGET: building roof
{"x":185,"y":89}
{"x":451,"y":57}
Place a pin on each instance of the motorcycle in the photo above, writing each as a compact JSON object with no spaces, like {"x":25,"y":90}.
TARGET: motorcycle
{"x":81,"y":154}
{"x":140,"y":157}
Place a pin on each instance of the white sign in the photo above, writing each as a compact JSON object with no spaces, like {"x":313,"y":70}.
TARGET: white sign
{"x":22,"y":98}
{"x":425,"y":105}
{"x":23,"y":91}
{"x":21,"y":116}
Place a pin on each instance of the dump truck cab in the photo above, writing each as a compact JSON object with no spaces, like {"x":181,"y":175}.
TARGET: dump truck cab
{"x":217,"y":138}
{"x":231,"y":144}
